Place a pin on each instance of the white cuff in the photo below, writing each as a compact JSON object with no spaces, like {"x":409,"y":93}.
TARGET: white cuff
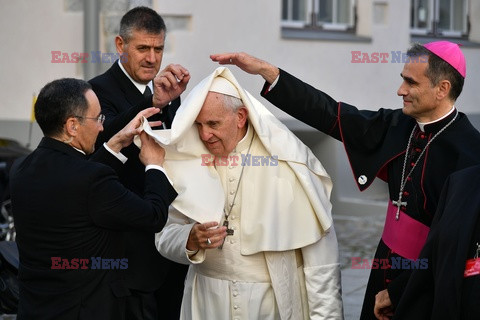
{"x":273,"y":83}
{"x":118,"y":155}
{"x":191,"y":252}
{"x":196,"y":258}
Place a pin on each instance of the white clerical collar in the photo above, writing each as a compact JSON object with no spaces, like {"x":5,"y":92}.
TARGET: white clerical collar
{"x":141,"y":87}
{"x":245,"y":142}
{"x":422,"y":125}
{"x":81,"y":151}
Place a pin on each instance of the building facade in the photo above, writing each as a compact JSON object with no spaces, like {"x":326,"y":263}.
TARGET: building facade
{"x":352,"y":49}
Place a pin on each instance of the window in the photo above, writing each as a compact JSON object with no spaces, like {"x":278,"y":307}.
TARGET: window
{"x":321,"y":14}
{"x":294,"y":13}
{"x":439,"y":18}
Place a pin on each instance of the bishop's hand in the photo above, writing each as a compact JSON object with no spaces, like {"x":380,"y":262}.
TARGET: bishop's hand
{"x":383,"y":309}
{"x":249,"y":64}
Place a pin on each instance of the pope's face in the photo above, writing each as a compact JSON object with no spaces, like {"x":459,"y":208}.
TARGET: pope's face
{"x":220,"y":128}
{"x":144,"y":52}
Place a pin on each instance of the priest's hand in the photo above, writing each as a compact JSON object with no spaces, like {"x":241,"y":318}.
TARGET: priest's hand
{"x":151,"y":152}
{"x":124,"y":137}
{"x":169,"y":84}
{"x":383,"y":306}
{"x":206,"y":236}
{"x":248,"y":64}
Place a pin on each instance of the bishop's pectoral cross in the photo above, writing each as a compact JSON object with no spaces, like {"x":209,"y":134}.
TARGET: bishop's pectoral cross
{"x":399,"y":204}
{"x":229,"y":232}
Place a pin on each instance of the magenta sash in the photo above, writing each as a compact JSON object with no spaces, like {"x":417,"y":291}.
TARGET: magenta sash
{"x":405,"y":236}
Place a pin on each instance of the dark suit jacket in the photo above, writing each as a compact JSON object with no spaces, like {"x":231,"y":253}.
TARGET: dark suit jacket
{"x":69,"y":207}
{"x":121,"y":101}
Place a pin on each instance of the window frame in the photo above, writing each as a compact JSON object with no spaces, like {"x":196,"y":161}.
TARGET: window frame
{"x":310,"y":17}
{"x":433,"y":17}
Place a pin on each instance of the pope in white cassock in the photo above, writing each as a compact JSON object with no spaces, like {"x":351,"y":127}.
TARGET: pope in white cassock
{"x":253,"y":215}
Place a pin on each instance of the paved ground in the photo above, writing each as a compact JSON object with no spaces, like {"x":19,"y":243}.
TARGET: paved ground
{"x":357,"y":237}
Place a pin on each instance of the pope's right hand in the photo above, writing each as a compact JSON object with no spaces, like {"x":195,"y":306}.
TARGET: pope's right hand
{"x":206,"y":236}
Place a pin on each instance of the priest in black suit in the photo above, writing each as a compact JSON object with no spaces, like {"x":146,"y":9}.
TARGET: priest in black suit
{"x":126,"y":88}
{"x":413,"y":149}
{"x":70,"y":211}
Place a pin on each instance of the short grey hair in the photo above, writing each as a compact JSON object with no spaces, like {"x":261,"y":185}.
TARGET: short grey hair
{"x":232,"y":103}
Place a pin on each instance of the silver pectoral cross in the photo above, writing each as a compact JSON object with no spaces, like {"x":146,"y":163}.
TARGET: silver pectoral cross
{"x":399,"y":204}
{"x":229,"y":232}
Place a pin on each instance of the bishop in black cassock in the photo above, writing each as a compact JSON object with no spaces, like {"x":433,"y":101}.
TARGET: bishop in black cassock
{"x":413,"y":158}
{"x":376,"y":145}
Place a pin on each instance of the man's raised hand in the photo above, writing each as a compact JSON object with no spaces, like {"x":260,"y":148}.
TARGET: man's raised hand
{"x":249,"y":64}
{"x":169,"y":84}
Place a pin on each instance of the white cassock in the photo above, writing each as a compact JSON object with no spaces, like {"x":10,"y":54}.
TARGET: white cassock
{"x":282,"y":260}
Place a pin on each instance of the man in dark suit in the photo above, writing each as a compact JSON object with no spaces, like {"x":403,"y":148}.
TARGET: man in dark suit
{"x":70,"y":211}
{"x":126,"y":88}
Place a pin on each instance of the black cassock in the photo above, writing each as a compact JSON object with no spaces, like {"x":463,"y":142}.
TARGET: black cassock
{"x":441,"y":291}
{"x":375,"y":142}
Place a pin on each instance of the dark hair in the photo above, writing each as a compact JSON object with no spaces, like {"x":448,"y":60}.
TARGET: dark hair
{"x":58,"y":100}
{"x":438,"y":70}
{"x":141,"y":19}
